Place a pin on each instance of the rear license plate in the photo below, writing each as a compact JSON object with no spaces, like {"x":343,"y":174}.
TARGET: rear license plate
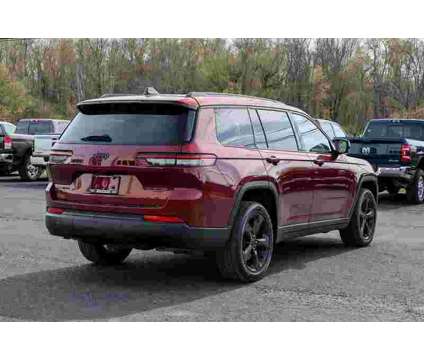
{"x":105,"y":185}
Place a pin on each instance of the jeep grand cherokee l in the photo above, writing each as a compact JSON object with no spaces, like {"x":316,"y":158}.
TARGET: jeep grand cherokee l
{"x":229,"y":175}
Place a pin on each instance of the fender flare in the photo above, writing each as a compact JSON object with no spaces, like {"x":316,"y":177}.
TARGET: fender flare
{"x":364,"y":178}
{"x":253,"y":185}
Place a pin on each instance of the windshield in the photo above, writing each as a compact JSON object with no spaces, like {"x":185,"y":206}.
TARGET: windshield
{"x":394,"y":130}
{"x":131,"y":124}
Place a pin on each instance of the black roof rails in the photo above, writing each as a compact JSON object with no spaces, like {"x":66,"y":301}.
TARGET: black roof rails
{"x":206,"y":93}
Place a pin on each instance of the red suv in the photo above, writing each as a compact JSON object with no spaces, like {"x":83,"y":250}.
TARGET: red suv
{"x":230,"y":175}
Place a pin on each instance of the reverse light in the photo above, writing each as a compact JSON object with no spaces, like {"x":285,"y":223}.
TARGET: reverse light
{"x":405,"y":154}
{"x":184,"y":160}
{"x":163,"y":219}
{"x":7,"y":141}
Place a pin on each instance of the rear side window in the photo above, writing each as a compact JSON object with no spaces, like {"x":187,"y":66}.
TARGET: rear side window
{"x":258,"y":130}
{"x":278,"y":130}
{"x":312,"y":138}
{"x":131,"y":124}
{"x":233,"y":127}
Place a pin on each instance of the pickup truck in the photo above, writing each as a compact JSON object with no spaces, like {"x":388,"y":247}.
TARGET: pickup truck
{"x":395,"y":148}
{"x":41,"y":149}
{"x":20,"y":145}
{"x":6,"y":157}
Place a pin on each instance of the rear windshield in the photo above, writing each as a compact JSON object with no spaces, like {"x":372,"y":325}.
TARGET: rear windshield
{"x":34,"y":127}
{"x":394,"y":130}
{"x":131,"y":124}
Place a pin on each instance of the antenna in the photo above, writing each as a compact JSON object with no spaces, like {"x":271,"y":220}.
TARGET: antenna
{"x":150,"y":91}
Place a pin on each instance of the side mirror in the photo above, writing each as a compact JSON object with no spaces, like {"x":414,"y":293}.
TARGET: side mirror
{"x":341,"y":145}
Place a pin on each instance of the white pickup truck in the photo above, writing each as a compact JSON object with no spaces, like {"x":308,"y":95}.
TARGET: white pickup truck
{"x":42,"y":145}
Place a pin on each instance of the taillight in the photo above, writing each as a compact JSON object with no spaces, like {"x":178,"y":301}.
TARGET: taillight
{"x":183,"y":160}
{"x":59,"y":157}
{"x":7,"y":141}
{"x":405,"y":154}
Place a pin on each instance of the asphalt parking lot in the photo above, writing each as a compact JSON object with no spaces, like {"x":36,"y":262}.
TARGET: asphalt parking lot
{"x":43,"y":278}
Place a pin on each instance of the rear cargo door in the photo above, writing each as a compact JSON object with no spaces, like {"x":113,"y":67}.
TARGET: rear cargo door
{"x":123,"y":155}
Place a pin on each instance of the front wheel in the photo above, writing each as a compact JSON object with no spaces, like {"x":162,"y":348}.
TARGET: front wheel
{"x":415,"y":191}
{"x":28,"y":171}
{"x":247,"y":255}
{"x":103,"y":254}
{"x":361,"y":229}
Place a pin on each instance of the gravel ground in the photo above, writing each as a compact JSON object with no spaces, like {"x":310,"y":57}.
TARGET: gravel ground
{"x":315,"y":278}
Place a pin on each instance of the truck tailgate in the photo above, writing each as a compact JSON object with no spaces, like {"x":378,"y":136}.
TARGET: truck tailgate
{"x":379,"y":152}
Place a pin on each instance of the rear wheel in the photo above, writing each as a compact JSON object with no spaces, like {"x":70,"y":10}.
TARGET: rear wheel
{"x":248,"y":253}
{"x":415,"y":191}
{"x":361,"y":229}
{"x":28,"y":171}
{"x":103,"y":254}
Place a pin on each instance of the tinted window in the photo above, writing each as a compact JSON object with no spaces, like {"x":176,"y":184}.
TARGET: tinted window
{"x":278,"y":130}
{"x":338,"y":130}
{"x":22,"y":127}
{"x":233,"y":127}
{"x":312,"y":138}
{"x":257,"y":130}
{"x":130,"y":124}
{"x":328,"y":129}
{"x":40,"y":127}
{"x":394,"y":129}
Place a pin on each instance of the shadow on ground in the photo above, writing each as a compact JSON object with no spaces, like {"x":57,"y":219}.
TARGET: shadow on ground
{"x":88,"y":292}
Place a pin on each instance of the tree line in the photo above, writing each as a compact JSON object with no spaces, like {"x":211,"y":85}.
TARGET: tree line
{"x":346,"y":80}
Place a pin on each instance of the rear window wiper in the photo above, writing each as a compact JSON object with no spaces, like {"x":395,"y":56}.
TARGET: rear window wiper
{"x":100,"y":138}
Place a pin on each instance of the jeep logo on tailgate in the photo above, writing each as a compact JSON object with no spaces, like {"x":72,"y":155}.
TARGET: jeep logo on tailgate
{"x":96,"y":159}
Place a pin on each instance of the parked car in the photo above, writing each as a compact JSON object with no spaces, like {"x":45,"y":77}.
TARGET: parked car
{"x":42,"y":145}
{"x":396,"y":148}
{"x":332,"y":129}
{"x":19,"y":149}
{"x":226,"y":174}
{"x":6,"y":158}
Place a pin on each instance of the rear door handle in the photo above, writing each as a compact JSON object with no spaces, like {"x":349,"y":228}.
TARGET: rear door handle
{"x":272,"y":160}
{"x":318,"y":162}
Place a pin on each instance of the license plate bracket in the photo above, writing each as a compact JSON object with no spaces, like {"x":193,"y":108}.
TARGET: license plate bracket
{"x":105,"y":184}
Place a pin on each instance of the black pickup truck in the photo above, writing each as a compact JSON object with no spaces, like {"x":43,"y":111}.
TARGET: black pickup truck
{"x":15,"y":154}
{"x":395,"y":147}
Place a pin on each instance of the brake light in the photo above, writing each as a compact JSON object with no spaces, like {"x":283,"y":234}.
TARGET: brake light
{"x":164,"y":219}
{"x":55,"y":211}
{"x":7,"y":141}
{"x":187,"y":160}
{"x":405,"y":153}
{"x":59,"y":157}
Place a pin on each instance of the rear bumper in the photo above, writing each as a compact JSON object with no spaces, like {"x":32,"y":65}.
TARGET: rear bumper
{"x":401,"y":173}
{"x":39,"y":160}
{"x":6,"y":158}
{"x":132,"y":229}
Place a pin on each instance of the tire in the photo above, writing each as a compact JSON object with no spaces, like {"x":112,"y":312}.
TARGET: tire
{"x":361,"y":229}
{"x":247,"y":254}
{"x":102,"y":254}
{"x":415,"y":191}
{"x":29,"y":172}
